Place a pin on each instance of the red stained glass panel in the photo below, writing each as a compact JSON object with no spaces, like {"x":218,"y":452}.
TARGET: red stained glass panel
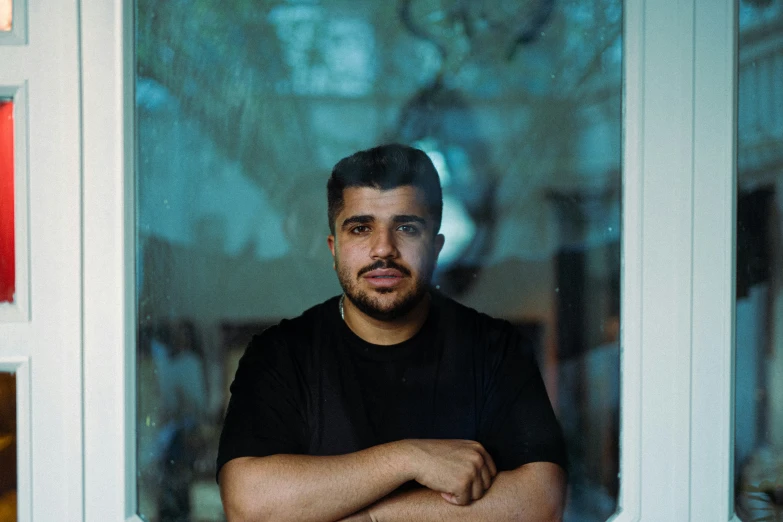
{"x":7,"y":255}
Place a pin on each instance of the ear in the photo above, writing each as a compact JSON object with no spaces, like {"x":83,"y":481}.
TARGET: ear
{"x":330,"y":241}
{"x":439,"y":240}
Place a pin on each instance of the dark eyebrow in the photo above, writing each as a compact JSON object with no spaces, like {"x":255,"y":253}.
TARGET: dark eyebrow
{"x":357,"y":220}
{"x":410,"y":219}
{"x":367,"y":219}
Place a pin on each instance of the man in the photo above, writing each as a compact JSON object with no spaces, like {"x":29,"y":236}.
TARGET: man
{"x":390,"y":402}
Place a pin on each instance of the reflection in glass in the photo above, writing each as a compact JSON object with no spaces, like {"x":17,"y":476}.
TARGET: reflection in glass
{"x":6,"y":14}
{"x":758,"y":436}
{"x":7,"y":447}
{"x":7,"y":254}
{"x":242,"y":111}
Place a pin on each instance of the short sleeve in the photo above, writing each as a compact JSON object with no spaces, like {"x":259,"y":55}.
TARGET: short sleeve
{"x":266,"y":413}
{"x":518,"y":424}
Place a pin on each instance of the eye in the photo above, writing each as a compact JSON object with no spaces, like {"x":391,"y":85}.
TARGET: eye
{"x":408,"y":229}
{"x":360,"y":229}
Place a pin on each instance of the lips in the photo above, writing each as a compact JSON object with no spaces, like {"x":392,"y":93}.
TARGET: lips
{"x":384,"y":277}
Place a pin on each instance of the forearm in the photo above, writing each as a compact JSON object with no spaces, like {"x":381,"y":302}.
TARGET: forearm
{"x":530,"y":493}
{"x":307,"y":488}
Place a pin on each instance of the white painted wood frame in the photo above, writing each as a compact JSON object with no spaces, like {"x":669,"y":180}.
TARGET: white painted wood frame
{"x":678,"y":260}
{"x":44,"y":335}
{"x":109,"y":261}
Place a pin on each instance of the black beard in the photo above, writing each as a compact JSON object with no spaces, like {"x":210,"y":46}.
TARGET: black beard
{"x":366,"y":306}
{"x":364,"y":302}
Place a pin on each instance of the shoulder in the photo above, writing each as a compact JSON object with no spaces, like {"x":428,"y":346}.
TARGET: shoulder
{"x":496,"y":345}
{"x":295,"y":338}
{"x":468,"y":321}
{"x":312,"y":322}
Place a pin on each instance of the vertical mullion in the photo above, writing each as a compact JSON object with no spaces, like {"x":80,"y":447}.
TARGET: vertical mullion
{"x":666,"y":257}
{"x":108,"y":229}
{"x":678,"y":259}
{"x":714,"y":219}
{"x":629,"y":498}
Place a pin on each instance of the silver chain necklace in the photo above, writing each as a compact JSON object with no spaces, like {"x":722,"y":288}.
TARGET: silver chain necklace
{"x":342,"y":311}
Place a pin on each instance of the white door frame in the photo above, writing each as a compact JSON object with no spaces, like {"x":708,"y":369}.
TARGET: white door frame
{"x":678,"y":260}
{"x":41,"y":333}
{"x":109,"y":260}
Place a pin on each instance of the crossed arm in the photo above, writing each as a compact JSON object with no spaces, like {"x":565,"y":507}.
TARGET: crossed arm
{"x":459,"y":478}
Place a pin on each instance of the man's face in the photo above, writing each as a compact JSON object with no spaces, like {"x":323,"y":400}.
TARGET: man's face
{"x":384,"y":249}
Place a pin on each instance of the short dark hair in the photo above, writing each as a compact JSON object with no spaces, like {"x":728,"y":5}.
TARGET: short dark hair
{"x":386,"y":167}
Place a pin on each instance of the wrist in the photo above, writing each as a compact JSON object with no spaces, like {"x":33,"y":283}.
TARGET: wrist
{"x":403,"y":462}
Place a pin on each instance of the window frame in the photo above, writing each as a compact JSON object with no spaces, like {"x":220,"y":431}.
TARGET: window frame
{"x":677,"y":302}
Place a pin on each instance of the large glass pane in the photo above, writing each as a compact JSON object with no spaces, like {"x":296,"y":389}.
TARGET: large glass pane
{"x":244,"y":106}
{"x":7,"y":254}
{"x":758,"y":449}
{"x":7,"y":447}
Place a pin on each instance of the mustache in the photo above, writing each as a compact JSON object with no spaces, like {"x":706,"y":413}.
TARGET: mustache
{"x":381,"y":264}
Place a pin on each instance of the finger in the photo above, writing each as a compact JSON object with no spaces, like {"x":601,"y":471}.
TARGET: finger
{"x":486,"y":477}
{"x":477,"y":491}
{"x":488,"y":462}
{"x":448,"y":497}
{"x":457,"y":500}
{"x":462,"y":499}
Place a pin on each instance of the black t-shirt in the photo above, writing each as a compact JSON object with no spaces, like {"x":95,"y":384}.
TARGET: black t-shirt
{"x":311,"y":386}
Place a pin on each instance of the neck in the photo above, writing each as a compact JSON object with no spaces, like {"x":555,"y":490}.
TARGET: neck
{"x":386,"y":333}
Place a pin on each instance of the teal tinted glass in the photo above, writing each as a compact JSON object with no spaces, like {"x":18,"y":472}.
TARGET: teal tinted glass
{"x":758,"y":436}
{"x":243,"y":107}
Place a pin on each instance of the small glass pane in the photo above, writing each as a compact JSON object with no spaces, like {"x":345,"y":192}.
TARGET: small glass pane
{"x":7,"y":447}
{"x":6,"y":15}
{"x":7,"y":255}
{"x":758,"y":436}
{"x":243,"y":107}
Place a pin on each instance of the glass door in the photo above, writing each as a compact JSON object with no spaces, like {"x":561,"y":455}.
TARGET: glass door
{"x":531,"y":112}
{"x":241,"y":113}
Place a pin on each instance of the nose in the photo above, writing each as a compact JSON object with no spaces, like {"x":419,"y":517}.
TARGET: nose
{"x":383,"y":245}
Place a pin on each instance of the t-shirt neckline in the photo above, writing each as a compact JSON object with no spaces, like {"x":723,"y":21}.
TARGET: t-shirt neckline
{"x":390,"y":352}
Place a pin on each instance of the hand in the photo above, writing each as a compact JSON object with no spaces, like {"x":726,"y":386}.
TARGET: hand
{"x":461,"y":470}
